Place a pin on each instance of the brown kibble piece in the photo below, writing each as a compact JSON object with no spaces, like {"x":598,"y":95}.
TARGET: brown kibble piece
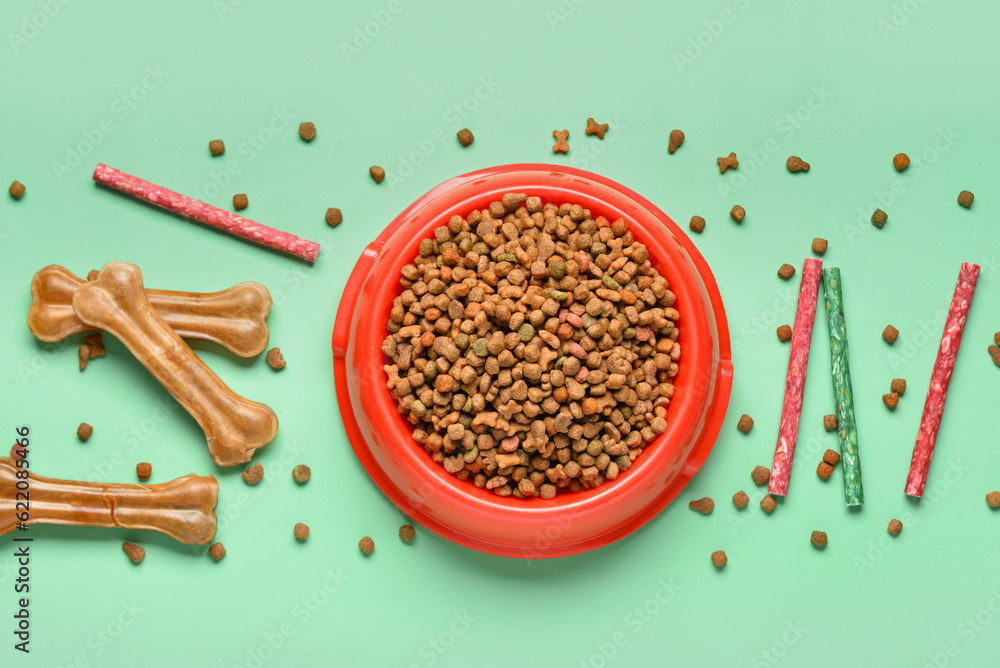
{"x":900,"y":161}
{"x":240,"y":201}
{"x":824,"y":470}
{"x":307,"y":131}
{"x":465,"y":137}
{"x":890,"y":400}
{"x":253,"y":474}
{"x":993,"y":499}
{"x":738,"y":213}
{"x":83,"y":353}
{"x":784,"y":333}
{"x":16,"y":190}
{"x":818,"y":538}
{"x":560,"y":146}
{"x":727,"y":162}
{"x":819,"y":246}
{"x":895,"y":527}
{"x":334,"y":217}
{"x":676,"y":139}
{"x":407,"y":532}
{"x":704,"y":505}
{"x":768,"y":503}
{"x":890,"y":333}
{"x":595,"y":128}
{"x":301,"y":531}
{"x":879,"y":218}
{"x":965,"y":198}
{"x":996,"y":338}
{"x":301,"y":473}
{"x":898,"y":386}
{"x":741,"y":499}
{"x":144,"y":470}
{"x":760,"y":475}
{"x":84,"y":431}
{"x":745,"y":423}
{"x":92,"y":275}
{"x":96,"y":343}
{"x":796,"y":164}
{"x":216,"y":147}
{"x":786,"y":271}
{"x":366,"y":544}
{"x":134,"y":552}
{"x":719,"y":559}
{"x":697,"y":224}
{"x":377,"y":173}
{"x":830,"y":422}
{"x":994,"y":353}
{"x":831,"y":457}
{"x":218,"y":551}
{"x":276,"y":359}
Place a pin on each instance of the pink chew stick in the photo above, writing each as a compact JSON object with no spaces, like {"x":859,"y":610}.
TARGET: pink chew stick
{"x":940,"y":377}
{"x":207,"y":214}
{"x":795,"y":379}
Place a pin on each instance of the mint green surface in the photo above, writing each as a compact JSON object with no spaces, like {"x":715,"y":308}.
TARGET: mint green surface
{"x":843,"y":85}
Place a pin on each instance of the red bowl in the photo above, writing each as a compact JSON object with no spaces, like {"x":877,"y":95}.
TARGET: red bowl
{"x":571,"y":522}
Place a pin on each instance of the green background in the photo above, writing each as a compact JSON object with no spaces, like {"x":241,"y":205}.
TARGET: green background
{"x":843,"y":85}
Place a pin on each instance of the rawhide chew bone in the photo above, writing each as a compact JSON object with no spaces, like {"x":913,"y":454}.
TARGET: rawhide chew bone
{"x":116,"y":302}
{"x":235,"y":318}
{"x":182,"y":508}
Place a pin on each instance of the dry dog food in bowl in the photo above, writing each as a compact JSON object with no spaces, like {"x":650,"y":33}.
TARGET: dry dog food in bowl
{"x":546,"y":524}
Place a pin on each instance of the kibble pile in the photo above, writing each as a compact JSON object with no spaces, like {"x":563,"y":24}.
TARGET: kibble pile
{"x":533,"y":347}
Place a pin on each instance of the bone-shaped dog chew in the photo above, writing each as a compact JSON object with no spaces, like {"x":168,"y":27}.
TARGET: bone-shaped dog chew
{"x":181,"y":508}
{"x":116,"y":302}
{"x":234,"y":318}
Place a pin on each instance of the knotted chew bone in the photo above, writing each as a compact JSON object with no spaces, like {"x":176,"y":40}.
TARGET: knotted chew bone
{"x":116,"y":302}
{"x":234,"y":318}
{"x":181,"y":508}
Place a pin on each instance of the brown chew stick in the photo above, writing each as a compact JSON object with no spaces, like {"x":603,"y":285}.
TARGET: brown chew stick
{"x":235,"y":318}
{"x":116,"y":302}
{"x":182,"y":508}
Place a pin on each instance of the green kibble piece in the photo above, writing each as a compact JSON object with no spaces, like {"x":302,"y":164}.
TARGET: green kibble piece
{"x":506,"y":257}
{"x":626,"y":411}
{"x":479,"y":347}
{"x":418,"y":408}
{"x":468,"y":405}
{"x":526,"y":332}
{"x":426,"y":248}
{"x":595,"y":448}
{"x":610,"y":283}
{"x":589,"y":320}
{"x":465,"y":419}
{"x":430,"y":372}
{"x":471,"y":455}
{"x":462,"y":341}
{"x":439,"y":261}
{"x":557,"y":269}
{"x":628,"y":333}
{"x":559,"y":362}
{"x":465,"y":245}
{"x":598,"y":249}
{"x":557,"y":295}
{"x":481,"y":248}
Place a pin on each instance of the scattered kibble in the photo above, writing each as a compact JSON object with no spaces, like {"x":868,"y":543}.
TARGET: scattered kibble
{"x":307,"y":131}
{"x":727,"y":162}
{"x":407,"y":532}
{"x":784,"y":333}
{"x":144,"y":470}
{"x":366,"y":544}
{"x":890,"y":333}
{"x":965,"y":198}
{"x":900,"y":161}
{"x":830,"y":422}
{"x":240,"y":201}
{"x":740,"y":499}
{"x":996,"y":338}
{"x":993,"y":499}
{"x":216,"y":147}
{"x":760,"y":475}
{"x":879,"y":218}
{"x":217,"y":550}
{"x":796,"y":164}
{"x":595,"y":128}
{"x":786,"y":271}
{"x":890,"y":400}
{"x":276,"y":359}
{"x":719,"y":558}
{"x":831,"y":457}
{"x":465,"y":137}
{"x":895,"y":527}
{"x":676,"y":139}
{"x":16,"y":190}
{"x":253,"y":474}
{"x":96,"y":343}
{"x":819,"y":246}
{"x":83,"y":354}
{"x":738,"y":213}
{"x":824,"y":470}
{"x":84,"y":431}
{"x":301,"y":531}
{"x":768,"y":503}
{"x":745,"y":423}
{"x":301,"y":473}
{"x":994,"y":353}
{"x":334,"y":217}
{"x":560,"y":146}
{"x":92,"y":275}
{"x":898,"y":386}
{"x":818,"y":538}
{"x":134,"y":552}
{"x":704,"y":505}
{"x":377,"y":173}
{"x":697,"y":224}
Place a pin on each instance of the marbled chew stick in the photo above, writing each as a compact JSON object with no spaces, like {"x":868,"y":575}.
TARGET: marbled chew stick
{"x":844,"y":396}
{"x":940,"y":377}
{"x":795,"y":380}
{"x":207,"y":214}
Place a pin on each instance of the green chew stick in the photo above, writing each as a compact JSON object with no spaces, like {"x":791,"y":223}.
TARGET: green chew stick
{"x":848,"y":427}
